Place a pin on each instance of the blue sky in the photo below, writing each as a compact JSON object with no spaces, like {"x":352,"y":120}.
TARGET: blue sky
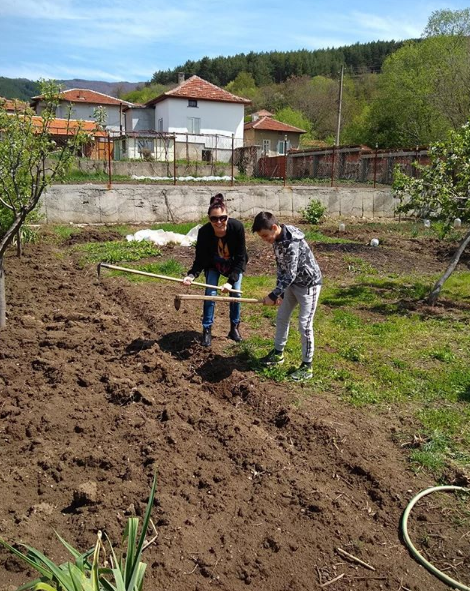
{"x":117,"y":40}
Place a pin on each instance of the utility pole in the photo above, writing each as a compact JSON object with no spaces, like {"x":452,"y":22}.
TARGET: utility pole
{"x":340,"y":101}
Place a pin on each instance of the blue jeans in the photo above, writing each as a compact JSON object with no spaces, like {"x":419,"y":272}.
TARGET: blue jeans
{"x":212,"y":278}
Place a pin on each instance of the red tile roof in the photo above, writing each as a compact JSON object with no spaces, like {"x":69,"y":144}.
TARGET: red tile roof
{"x":197,"y":88}
{"x":82,"y":95}
{"x":269,"y":124}
{"x":13,"y":104}
{"x":65,"y":127}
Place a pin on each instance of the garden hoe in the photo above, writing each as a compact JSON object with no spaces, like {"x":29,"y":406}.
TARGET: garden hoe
{"x":137,"y":272}
{"x":185,"y":296}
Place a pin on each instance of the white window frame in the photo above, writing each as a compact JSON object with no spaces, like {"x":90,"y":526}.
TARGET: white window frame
{"x":194,"y":125}
{"x":281,"y":145}
{"x":266,"y":146}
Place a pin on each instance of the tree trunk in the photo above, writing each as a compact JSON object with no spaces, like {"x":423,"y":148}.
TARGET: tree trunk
{"x":18,"y":244}
{"x":3,"y":302}
{"x":436,"y":290}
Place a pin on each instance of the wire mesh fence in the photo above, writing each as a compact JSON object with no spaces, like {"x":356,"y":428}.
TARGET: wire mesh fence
{"x":185,"y":154}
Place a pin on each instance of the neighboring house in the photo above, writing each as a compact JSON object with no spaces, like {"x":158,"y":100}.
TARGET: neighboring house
{"x":13,"y":105}
{"x":59,"y":129}
{"x":198,"y":119}
{"x":270,"y":136}
{"x":83,"y":103}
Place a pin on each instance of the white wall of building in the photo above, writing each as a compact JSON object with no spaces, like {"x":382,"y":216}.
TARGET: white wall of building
{"x":85,"y":112}
{"x":139,"y":119}
{"x":216,"y":118}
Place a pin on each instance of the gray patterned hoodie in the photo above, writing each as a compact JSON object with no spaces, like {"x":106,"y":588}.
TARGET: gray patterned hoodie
{"x":295,"y":262}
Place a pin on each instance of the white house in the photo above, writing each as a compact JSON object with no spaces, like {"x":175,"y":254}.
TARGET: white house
{"x":197,"y":119}
{"x":83,"y":103}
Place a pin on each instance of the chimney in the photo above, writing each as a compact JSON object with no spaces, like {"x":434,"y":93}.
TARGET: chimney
{"x":180,"y":78}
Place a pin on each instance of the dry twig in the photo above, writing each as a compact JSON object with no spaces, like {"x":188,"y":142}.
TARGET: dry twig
{"x":332,"y":580}
{"x":354,"y":558}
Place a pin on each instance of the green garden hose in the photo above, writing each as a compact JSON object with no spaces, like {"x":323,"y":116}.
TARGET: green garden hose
{"x":414,"y":552}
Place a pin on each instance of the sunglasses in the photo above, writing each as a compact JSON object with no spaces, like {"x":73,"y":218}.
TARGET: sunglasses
{"x":218,"y":218}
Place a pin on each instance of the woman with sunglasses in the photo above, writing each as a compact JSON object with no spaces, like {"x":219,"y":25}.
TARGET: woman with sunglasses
{"x":220,"y":250}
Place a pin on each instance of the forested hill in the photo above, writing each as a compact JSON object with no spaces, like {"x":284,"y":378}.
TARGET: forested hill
{"x":24,"y":89}
{"x":279,"y":66}
{"x":18,"y":88}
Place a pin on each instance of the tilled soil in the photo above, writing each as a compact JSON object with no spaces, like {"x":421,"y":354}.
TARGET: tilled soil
{"x":260,"y":485}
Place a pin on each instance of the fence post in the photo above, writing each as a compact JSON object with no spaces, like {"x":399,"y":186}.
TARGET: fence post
{"x":285,"y":159}
{"x":174,"y":159}
{"x":233,"y":155}
{"x":109,"y":161}
{"x":375,"y":164}
{"x":333,"y":166}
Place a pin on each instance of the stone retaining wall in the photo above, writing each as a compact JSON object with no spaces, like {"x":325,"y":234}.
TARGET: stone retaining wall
{"x":146,"y":204}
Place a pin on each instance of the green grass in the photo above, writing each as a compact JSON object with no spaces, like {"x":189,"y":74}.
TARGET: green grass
{"x":170,"y":268}
{"x":315,"y":235}
{"x":116,"y":251}
{"x":181,"y":228}
{"x":372,"y":350}
{"x":65,"y":232}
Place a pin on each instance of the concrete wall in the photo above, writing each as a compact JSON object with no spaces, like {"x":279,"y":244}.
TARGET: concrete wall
{"x":147,"y":204}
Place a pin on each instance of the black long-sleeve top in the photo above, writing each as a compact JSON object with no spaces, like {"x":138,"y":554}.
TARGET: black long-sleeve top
{"x":206,"y":250}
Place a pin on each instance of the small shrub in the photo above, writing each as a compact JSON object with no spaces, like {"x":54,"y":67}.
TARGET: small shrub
{"x":314,"y":212}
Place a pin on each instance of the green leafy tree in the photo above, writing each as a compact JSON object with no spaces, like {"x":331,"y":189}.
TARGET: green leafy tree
{"x":146,"y":93}
{"x":297,"y":119}
{"x":243,"y":85}
{"x":448,"y":22}
{"x":441,"y":188}
{"x":27,"y":169}
{"x":423,"y":87}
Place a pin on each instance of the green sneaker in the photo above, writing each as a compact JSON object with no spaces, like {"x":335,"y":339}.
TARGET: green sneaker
{"x":305,"y":372}
{"x":272,"y":358}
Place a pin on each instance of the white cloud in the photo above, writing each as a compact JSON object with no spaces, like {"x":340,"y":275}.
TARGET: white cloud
{"x":388,"y":27}
{"x":40,"y":9}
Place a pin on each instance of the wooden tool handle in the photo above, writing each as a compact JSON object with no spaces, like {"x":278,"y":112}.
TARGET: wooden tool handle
{"x":138,"y":272}
{"x":187,"y":296}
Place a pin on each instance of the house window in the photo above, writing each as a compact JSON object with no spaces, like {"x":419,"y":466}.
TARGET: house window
{"x":192,"y":103}
{"x":160,"y":125}
{"x":281,"y":146}
{"x":194,"y":125}
{"x":266,"y":146}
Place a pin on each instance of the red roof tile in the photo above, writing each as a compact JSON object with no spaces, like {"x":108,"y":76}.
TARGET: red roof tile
{"x":269,"y":124}
{"x":82,"y":95}
{"x":65,"y":127}
{"x":197,"y":88}
{"x":13,"y":104}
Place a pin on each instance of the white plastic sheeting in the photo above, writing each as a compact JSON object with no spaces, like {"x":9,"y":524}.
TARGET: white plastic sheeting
{"x":162,"y":237}
{"x":182,"y":178}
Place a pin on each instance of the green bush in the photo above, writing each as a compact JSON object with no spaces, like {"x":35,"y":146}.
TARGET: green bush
{"x":314,"y":212}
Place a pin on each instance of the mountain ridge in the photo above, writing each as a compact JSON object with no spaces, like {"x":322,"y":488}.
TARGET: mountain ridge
{"x":24,"y":89}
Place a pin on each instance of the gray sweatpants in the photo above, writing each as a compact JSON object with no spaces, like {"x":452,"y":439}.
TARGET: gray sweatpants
{"x":307,"y":298}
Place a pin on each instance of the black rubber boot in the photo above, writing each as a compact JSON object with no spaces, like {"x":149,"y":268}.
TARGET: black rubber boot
{"x":234,"y":333}
{"x":206,"y":337}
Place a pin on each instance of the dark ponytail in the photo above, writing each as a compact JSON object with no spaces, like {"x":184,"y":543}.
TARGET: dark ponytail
{"x":216,"y":202}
